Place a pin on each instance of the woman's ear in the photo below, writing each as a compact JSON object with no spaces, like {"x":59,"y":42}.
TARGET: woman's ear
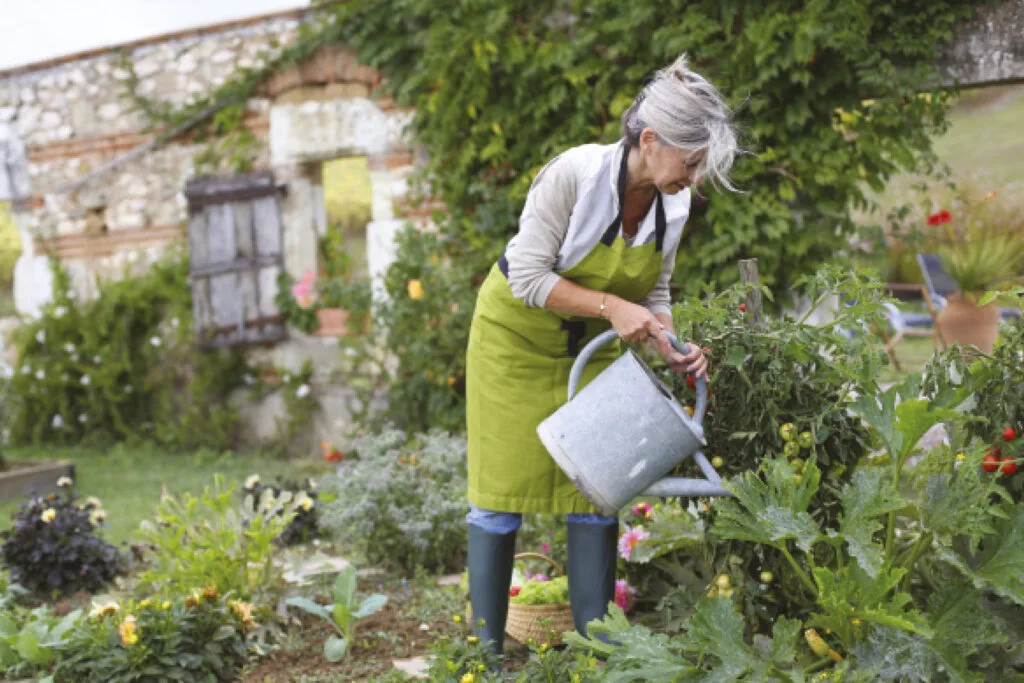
{"x":648,"y":137}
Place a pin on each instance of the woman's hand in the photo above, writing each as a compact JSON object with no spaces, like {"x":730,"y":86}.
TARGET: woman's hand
{"x":633,"y":322}
{"x":695,"y":361}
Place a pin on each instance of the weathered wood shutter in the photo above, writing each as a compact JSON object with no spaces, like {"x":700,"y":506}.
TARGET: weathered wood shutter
{"x":235,"y":238}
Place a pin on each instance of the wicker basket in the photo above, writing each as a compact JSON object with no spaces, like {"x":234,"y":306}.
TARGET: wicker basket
{"x":525,"y":621}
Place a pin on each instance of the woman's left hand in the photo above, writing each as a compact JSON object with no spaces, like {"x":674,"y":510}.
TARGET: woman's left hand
{"x":695,"y":361}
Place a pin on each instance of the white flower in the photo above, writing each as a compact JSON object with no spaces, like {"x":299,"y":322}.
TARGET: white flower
{"x":128,"y":389}
{"x":58,"y":422}
{"x":85,"y":380}
{"x":64,"y":482}
{"x":74,"y":356}
{"x":94,"y":501}
{"x":26,"y":370}
{"x":69,"y":347}
{"x":248,"y":379}
{"x":96,"y":360}
{"x":41,"y":336}
{"x":40,"y":374}
{"x":60,"y":311}
{"x":286,"y":378}
{"x":252,"y":481}
{"x":174,"y":322}
{"x":155,"y":341}
{"x":303,"y":391}
{"x":8,"y":372}
{"x":83,"y":418}
{"x":96,"y":517}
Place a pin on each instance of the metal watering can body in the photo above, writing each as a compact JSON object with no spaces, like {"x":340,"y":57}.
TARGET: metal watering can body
{"x":618,"y":437}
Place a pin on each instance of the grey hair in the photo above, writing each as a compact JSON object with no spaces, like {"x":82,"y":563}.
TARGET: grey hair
{"x":687,"y":112}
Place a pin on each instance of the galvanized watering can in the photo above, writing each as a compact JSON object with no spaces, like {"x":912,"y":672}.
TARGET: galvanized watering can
{"x":625,"y":431}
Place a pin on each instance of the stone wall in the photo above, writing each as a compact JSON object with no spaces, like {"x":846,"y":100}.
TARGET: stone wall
{"x":70,"y":117}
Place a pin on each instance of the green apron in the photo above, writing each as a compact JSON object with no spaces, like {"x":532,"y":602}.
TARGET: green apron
{"x":518,"y":363}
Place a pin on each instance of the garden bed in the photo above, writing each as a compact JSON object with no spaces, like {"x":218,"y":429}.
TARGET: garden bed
{"x":23,"y":477}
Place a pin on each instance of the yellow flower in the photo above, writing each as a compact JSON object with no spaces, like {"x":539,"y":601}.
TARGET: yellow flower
{"x":94,"y":501}
{"x":166,"y":604}
{"x":414,"y":289}
{"x":960,"y":456}
{"x":473,"y":640}
{"x":544,"y":647}
{"x":100,"y":611}
{"x":145,"y":603}
{"x":468,"y":678}
{"x":210,"y":593}
{"x":129,"y":631}
{"x":481,"y":667}
{"x":305,"y":502}
{"x":96,"y":517}
{"x":451,"y":381}
{"x":457,"y":619}
{"x":243,"y":610}
{"x":192,"y":600}
{"x":48,"y":515}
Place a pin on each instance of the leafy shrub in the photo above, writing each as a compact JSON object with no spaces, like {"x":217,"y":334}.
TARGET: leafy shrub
{"x":200,"y":638}
{"x":29,"y":639}
{"x":10,"y":248}
{"x":403,"y":500}
{"x":916,"y":580}
{"x":304,"y":523}
{"x":123,"y":366}
{"x":210,"y":541}
{"x":54,"y":547}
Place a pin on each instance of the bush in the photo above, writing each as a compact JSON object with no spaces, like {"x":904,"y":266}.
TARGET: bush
{"x":210,"y":541}
{"x":29,"y":639}
{"x":53,"y":546}
{"x":123,"y":366}
{"x":403,"y":501}
{"x":304,"y":522}
{"x":200,"y":638}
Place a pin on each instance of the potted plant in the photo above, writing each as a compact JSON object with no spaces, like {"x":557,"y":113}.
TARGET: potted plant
{"x":982,"y":248}
{"x":331,"y":304}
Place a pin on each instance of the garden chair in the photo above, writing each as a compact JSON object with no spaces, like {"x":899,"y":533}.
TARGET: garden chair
{"x":940,"y":284}
{"x":901,"y":324}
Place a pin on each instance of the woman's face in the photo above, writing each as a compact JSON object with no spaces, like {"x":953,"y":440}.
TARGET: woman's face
{"x":671,"y":169}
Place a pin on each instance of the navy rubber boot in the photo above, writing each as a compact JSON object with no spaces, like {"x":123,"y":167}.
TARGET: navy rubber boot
{"x":490,"y":575}
{"x":592,"y":559}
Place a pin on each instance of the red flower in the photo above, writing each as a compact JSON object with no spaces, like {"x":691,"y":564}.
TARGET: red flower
{"x":940,"y":218}
{"x":514,"y":591}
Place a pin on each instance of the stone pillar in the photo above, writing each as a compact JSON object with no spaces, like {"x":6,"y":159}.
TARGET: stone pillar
{"x":303,"y":216}
{"x":33,"y":278}
{"x":381,"y":251}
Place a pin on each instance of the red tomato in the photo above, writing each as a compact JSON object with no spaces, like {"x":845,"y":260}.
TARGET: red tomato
{"x":1009,"y":466}
{"x":743,"y":308}
{"x":990,"y":463}
{"x":1009,"y":434}
{"x":514,"y":591}
{"x":691,"y":381}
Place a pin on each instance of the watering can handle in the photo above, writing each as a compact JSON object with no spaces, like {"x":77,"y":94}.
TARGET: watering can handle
{"x":610,"y":335}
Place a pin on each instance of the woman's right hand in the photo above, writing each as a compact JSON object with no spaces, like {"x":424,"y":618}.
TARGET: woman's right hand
{"x":633,"y":322}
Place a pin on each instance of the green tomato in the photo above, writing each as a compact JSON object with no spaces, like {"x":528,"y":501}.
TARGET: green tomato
{"x":717,"y":462}
{"x":791,"y":449}
{"x":787,"y":431}
{"x":806,"y":440}
{"x":766,"y":577}
{"x":798,"y":465}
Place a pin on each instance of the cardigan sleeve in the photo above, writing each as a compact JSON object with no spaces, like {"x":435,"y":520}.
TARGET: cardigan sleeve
{"x":533,"y":252}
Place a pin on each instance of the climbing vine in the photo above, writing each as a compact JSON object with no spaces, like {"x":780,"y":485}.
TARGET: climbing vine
{"x":828,"y":94}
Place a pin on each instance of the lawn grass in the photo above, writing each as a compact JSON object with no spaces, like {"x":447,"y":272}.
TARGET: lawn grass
{"x":913,"y":353}
{"x":128,"y":480}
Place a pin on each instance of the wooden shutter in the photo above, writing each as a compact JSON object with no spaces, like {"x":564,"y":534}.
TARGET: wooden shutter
{"x":236,"y":243}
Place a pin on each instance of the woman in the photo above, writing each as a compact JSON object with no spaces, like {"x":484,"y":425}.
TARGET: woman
{"x":596,"y":248}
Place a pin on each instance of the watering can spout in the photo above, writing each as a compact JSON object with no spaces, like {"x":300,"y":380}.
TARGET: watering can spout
{"x":679,"y":487}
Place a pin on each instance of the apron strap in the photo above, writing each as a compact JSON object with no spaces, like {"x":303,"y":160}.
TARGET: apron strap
{"x":659,"y":210}
{"x":577,"y":330}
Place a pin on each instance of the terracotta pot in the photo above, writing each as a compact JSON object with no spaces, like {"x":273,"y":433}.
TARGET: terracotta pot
{"x":966,"y":323}
{"x":333,"y":322}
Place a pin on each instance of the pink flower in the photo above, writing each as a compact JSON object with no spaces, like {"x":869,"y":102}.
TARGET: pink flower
{"x":624,"y":595}
{"x":643,"y":510}
{"x":303,"y":290}
{"x":629,"y":540}
{"x":541,"y":577}
{"x":545,"y":547}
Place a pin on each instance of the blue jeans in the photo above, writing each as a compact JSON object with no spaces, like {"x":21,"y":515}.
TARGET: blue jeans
{"x":507,"y":522}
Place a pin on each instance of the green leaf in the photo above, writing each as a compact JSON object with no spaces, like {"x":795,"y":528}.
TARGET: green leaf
{"x":669,"y":534}
{"x":7,"y":626}
{"x":633,"y":652}
{"x":309,"y":606}
{"x":224,"y":632}
{"x":716,"y":630}
{"x":850,"y":594}
{"x":28,"y":647}
{"x":342,"y":616}
{"x":345,"y":587}
{"x":8,"y":657}
{"x":1000,"y":564}
{"x":959,"y":504}
{"x":371,"y":605}
{"x":963,"y":626}
{"x":784,"y":640}
{"x":334,"y":649}
{"x":868,"y":496}
{"x":773,"y":510}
